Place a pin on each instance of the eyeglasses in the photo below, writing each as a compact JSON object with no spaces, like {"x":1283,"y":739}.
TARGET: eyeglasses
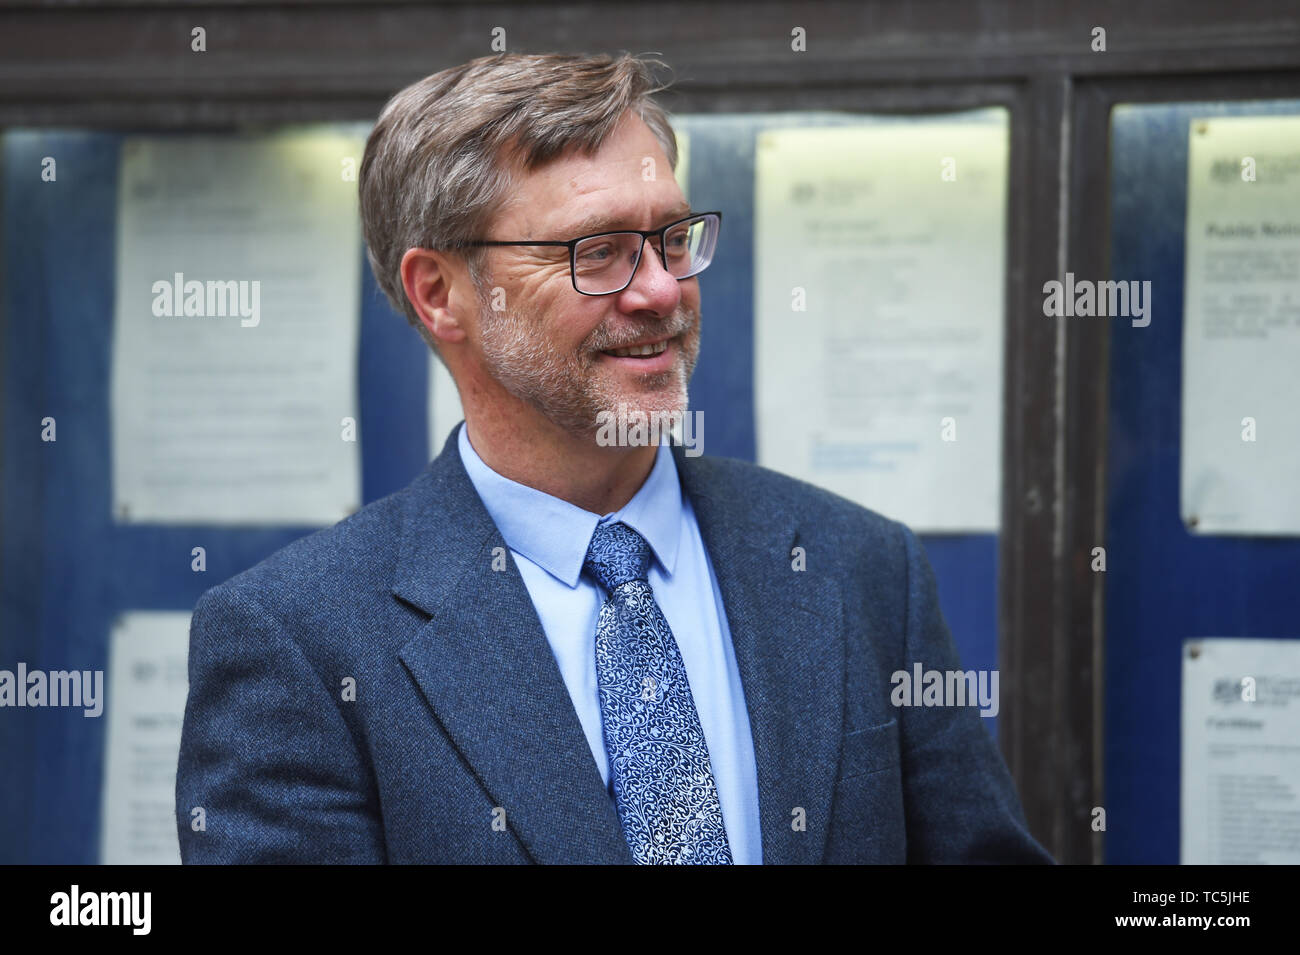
{"x":605,"y":263}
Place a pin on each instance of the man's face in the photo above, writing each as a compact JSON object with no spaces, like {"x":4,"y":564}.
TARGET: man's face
{"x":549,"y":345}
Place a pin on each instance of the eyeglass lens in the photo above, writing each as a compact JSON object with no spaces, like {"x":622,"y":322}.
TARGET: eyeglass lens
{"x":605,"y":263}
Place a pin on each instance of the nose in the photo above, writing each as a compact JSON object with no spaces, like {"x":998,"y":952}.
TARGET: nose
{"x":652,"y":287}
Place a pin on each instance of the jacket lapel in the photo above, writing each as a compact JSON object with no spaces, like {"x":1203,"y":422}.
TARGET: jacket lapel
{"x":483,"y":663}
{"x":787,"y":631}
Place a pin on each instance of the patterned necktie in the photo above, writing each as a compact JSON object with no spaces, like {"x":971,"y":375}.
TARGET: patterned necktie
{"x":658,"y":757}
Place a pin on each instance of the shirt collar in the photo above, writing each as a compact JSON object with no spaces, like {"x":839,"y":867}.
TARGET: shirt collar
{"x":555,"y":534}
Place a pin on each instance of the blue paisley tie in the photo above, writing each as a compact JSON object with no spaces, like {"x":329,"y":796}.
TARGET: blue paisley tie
{"x":658,"y":757}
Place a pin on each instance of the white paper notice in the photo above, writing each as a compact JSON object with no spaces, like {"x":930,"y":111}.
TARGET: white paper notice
{"x":1241,"y":327}
{"x":1241,"y":752}
{"x":878,"y":311}
{"x":237,"y":313}
{"x":147,"y":686}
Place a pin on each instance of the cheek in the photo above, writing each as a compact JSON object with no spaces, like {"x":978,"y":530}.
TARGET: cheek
{"x":582,"y":329}
{"x":691,"y":294}
{"x":553,"y":320}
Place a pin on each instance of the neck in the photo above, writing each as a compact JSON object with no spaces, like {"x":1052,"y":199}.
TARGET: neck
{"x":528,"y":448}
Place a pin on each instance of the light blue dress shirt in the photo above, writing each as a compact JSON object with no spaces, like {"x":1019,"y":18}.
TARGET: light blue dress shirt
{"x":549,"y":538}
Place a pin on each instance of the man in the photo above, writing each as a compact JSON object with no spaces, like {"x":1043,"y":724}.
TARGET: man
{"x":551,"y":648}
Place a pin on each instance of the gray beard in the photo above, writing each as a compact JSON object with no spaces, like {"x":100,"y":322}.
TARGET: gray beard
{"x":563,"y":387}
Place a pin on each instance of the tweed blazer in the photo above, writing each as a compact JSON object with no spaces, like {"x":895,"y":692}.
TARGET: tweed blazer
{"x":377,"y":692}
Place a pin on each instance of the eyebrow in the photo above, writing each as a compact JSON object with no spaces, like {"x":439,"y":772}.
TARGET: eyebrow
{"x":600,"y":222}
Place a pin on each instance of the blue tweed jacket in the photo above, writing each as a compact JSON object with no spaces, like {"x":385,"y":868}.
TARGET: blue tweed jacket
{"x":377,"y":693}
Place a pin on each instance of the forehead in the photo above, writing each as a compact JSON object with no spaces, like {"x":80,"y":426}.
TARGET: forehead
{"x":627,"y":183}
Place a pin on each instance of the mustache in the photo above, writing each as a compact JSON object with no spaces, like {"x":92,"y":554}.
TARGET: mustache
{"x":602,"y":339}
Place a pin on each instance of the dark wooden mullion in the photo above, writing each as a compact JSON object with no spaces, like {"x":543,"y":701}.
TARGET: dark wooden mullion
{"x":1033,"y":729}
{"x":1087,"y":393}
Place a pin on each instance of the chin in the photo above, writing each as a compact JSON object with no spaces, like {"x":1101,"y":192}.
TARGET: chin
{"x":650,"y":402}
{"x":665,"y":391}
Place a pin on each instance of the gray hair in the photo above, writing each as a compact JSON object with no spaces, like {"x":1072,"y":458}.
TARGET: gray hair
{"x":442,"y":157}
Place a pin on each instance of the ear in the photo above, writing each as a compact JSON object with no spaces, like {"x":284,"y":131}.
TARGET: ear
{"x":435,"y":285}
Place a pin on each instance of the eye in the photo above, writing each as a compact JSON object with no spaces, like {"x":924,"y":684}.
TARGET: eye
{"x":678,"y":242}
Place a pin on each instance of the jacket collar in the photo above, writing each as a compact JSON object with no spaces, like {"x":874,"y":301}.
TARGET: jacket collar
{"x":483,"y":663}
{"x":555,"y":534}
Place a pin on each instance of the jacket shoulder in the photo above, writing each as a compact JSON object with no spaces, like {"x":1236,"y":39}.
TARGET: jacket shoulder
{"x":770,"y":492}
{"x":360,"y":550}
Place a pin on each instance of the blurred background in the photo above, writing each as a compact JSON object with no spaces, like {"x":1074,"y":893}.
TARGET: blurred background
{"x":923,"y":202}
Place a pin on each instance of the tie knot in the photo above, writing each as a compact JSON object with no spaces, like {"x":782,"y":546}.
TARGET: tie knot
{"x":616,"y":555}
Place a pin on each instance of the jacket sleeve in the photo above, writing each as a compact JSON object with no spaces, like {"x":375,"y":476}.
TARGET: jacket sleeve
{"x":265,"y":751}
{"x":960,"y":802}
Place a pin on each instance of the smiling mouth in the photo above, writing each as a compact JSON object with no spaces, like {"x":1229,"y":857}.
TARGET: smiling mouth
{"x":639,"y":351}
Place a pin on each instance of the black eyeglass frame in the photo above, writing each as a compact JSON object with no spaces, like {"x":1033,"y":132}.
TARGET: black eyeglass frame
{"x":572,"y":246}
